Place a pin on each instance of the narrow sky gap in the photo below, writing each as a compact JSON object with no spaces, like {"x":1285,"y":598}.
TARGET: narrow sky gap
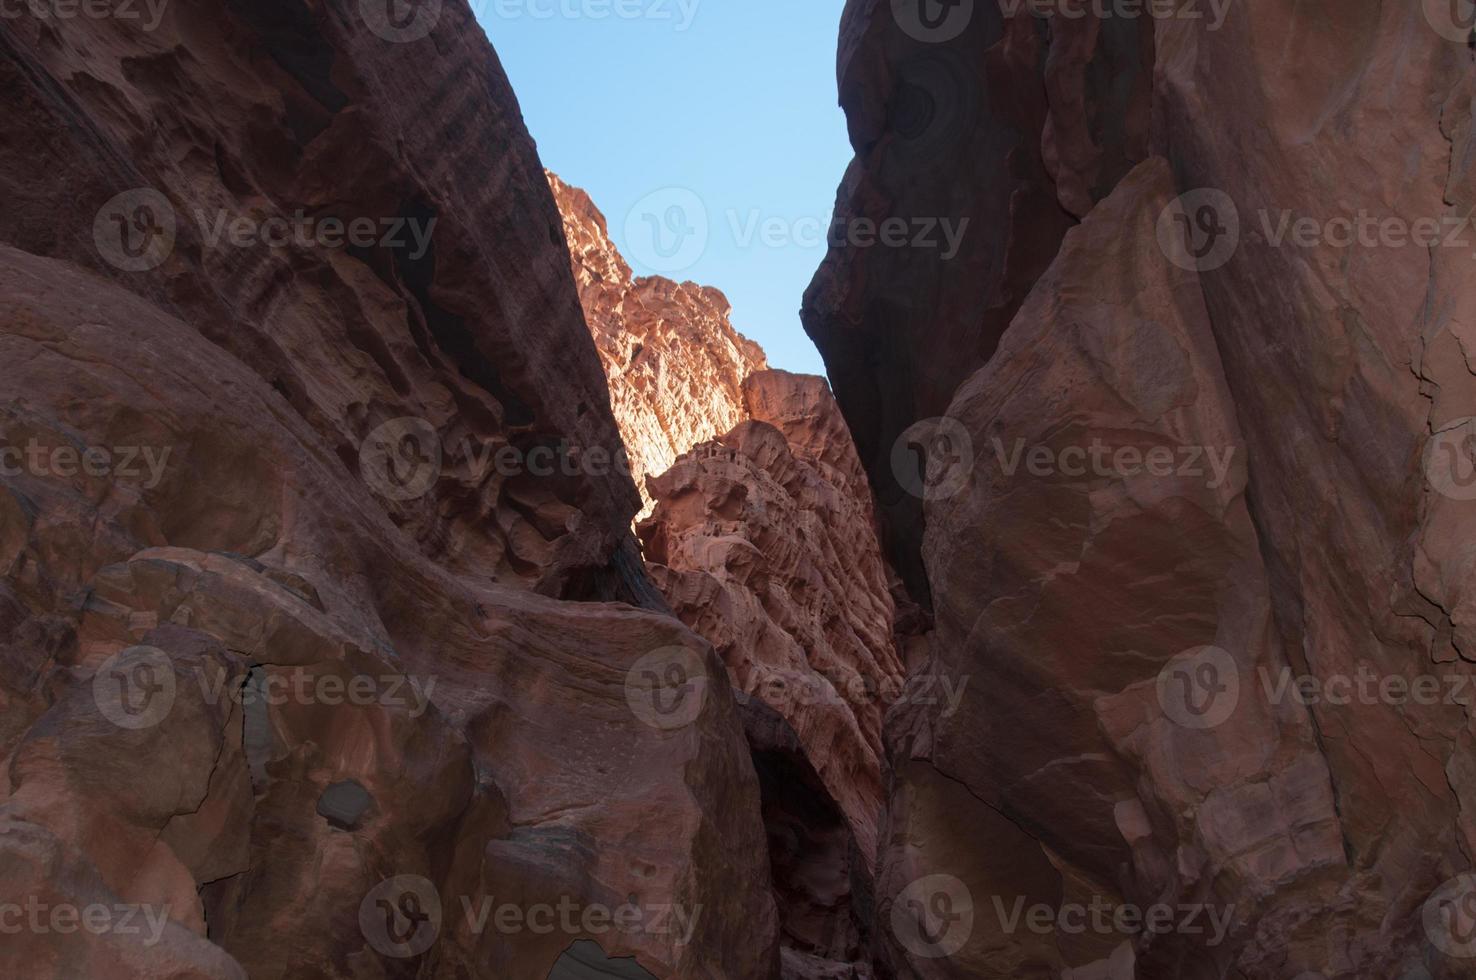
{"x":737,"y":107}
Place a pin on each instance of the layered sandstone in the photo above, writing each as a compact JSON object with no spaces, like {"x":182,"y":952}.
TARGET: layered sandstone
{"x":761,"y":538}
{"x":674,"y":363}
{"x":1128,"y":627}
{"x":763,"y":542}
{"x":319,"y":686}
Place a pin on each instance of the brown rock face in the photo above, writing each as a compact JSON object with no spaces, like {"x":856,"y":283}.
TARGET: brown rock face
{"x":761,"y":538}
{"x":985,"y":136}
{"x":762,"y":541}
{"x":286,"y":693}
{"x":1194,"y":519}
{"x":674,"y":363}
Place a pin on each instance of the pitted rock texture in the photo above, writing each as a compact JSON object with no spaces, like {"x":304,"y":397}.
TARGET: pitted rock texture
{"x":1127,"y":733}
{"x":674,"y":362}
{"x":301,"y":113}
{"x":763,"y":542}
{"x":198,"y":657}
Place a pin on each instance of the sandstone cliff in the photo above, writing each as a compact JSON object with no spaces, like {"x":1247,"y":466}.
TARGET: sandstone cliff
{"x":316,"y":694}
{"x":675,"y":364}
{"x":1176,"y":484}
{"x":761,"y":537}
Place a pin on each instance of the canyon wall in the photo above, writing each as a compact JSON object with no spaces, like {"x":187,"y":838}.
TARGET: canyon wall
{"x":674,"y":363}
{"x":762,"y":538}
{"x":1177,"y":450}
{"x":309,"y":528}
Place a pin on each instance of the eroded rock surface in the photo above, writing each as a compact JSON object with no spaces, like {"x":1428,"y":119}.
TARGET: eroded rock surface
{"x":1135,"y":633}
{"x":675,"y":364}
{"x":312,"y":694}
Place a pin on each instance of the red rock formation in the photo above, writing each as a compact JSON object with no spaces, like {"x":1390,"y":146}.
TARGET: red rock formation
{"x":762,"y":541}
{"x":996,"y":125}
{"x":1127,"y":735}
{"x":294,"y":690}
{"x":675,"y":364}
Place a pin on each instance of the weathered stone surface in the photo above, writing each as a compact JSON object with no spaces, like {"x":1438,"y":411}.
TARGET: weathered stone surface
{"x":763,"y":543}
{"x":674,"y":362}
{"x":302,"y":113}
{"x":280,"y":596}
{"x":1002,"y":127}
{"x":1084,"y":606}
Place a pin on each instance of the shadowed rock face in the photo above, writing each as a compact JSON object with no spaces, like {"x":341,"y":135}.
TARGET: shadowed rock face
{"x":301,"y":697}
{"x":1131,"y":627}
{"x":986,"y":138}
{"x":452,"y":306}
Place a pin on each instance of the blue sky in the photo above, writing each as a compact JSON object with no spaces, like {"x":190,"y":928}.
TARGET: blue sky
{"x":671,"y":111}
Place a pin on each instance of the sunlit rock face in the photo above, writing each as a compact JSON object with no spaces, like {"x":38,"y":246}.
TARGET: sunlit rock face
{"x":674,"y":362}
{"x":1187,"y":676}
{"x":308,"y":693}
{"x":763,"y":541}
